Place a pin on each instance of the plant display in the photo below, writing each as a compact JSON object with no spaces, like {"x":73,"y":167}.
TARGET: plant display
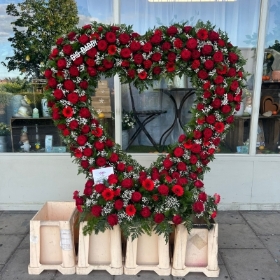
{"x":128,"y":121}
{"x":171,"y":191}
{"x":4,"y":129}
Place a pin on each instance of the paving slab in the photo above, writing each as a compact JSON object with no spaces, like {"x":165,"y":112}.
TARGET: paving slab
{"x":238,"y":236}
{"x":263,"y":222}
{"x":94,"y":275}
{"x":229,"y":217}
{"x":250,"y":264}
{"x":272,"y":243}
{"x":143,"y":275}
{"x":15,"y":223}
{"x":17,"y":268}
{"x":8,"y":244}
{"x":25,"y":243}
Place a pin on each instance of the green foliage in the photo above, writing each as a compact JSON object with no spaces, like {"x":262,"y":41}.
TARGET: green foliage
{"x":37,"y":24}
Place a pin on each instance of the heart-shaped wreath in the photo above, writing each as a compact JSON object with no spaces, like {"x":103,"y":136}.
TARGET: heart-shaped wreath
{"x":171,"y":191}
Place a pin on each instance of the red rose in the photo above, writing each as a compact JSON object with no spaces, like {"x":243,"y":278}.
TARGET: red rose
{"x":99,"y":188}
{"x":177,"y":190}
{"x":121,"y":167}
{"x":58,"y":94}
{"x":181,"y":166}
{"x":197,"y":134}
{"x":73,"y":124}
{"x":198,"y":184}
{"x":71,"y":35}
{"x":67,"y":49}
{"x":200,"y":106}
{"x":131,"y":73}
{"x":85,"y":113}
{"x":178,"y":152}
{"x":148,"y":184}
{"x":87,"y":152}
{"x":130,"y":210}
{"x":145,"y":212}
{"x":92,"y":52}
{"x":147,"y":64}
{"x":231,"y":72}
{"x":175,"y":175}
{"x":61,"y":63}
{"x":81,"y":140}
{"x":206,"y":49}
{"x":158,"y":218}
{"x":221,"y":43}
{"x":195,"y":64}
{"x":61,"y":126}
{"x":125,"y":63}
{"x":230,"y":119}
{"x":191,"y":44}
{"x":163,"y":190}
{"x":202,"y":196}
{"x":171,"y":56}
{"x":156,"y":56}
{"x":112,"y":219}
{"x":217,"y":198}
{"x":84,"y":84}
{"x":218,"y":56}
{"x":125,"y":53}
{"x":135,"y":46}
{"x":66,"y":132}
{"x":182,"y":181}
{"x":232,"y":57}
{"x":216,"y":104}
{"x":218,"y":80}
{"x":182,"y":138}
{"x":213,"y":35}
{"x":226,"y":109}
{"x":67,"y":112}
{"x":219,"y":90}
{"x":196,"y":148}
{"x":108,"y":64}
{"x":110,"y":37}
{"x":172,"y":30}
{"x":187,"y":29}
{"x":209,"y":64}
{"x":69,"y":85}
{"x":102,"y":45}
{"x":73,"y":97}
{"x":114,"y":157}
{"x":211,"y":119}
{"x":118,"y":204}
{"x":96,"y":210}
{"x":219,"y":127}
{"x":166,"y":46}
{"x":127,"y":183}
{"x":48,"y":73}
{"x":198,"y":207}
{"x":206,"y":94}
{"x":138,"y":58}
{"x":156,"y":39}
{"x":234,"y":85}
{"x":124,"y":38}
{"x":73,"y":70}
{"x":185,"y":54}
{"x":202,"y":34}
{"x":59,"y":41}
{"x":178,"y":43}
{"x":100,"y":161}
{"x":147,"y":47}
{"x":202,"y":74}
{"x":214,"y":215}
{"x":157,"y":70}
{"x":99,"y":146}
{"x":143,"y":75}
{"x":177,"y":220}
{"x":83,"y":39}
{"x":167,"y":163}
{"x":136,"y":196}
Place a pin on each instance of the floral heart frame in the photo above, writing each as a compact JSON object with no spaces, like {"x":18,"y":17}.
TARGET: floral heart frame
{"x":171,"y":191}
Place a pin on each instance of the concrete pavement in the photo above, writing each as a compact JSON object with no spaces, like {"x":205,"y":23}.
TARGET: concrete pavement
{"x":249,"y":249}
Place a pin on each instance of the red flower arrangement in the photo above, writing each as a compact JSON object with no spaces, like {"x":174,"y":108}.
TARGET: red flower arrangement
{"x":171,"y":190}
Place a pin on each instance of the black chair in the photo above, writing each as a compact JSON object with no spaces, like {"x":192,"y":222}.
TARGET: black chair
{"x":148,"y":116}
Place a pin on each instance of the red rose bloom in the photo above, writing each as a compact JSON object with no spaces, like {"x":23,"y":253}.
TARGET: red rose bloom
{"x":202,"y":34}
{"x":181,"y":166}
{"x":202,"y":196}
{"x":216,"y":103}
{"x":214,"y":215}
{"x":234,"y":85}
{"x":230,"y":119}
{"x":191,"y":44}
{"x":112,"y":219}
{"x":147,"y":64}
{"x":218,"y":56}
{"x":198,"y":207}
{"x":148,"y":184}
{"x":147,"y":47}
{"x":54,"y":53}
{"x":156,"y":57}
{"x":206,"y":49}
{"x":48,"y":73}
{"x":158,"y":218}
{"x":213,"y":35}
{"x":177,"y":219}
{"x":209,"y":64}
{"x":127,"y":183}
{"x":185,"y":54}
{"x":196,"y":148}
{"x":110,"y":37}
{"x":130,"y":210}
{"x":125,"y":53}
{"x":108,"y":64}
{"x":69,"y":85}
{"x":136,"y":196}
{"x":206,"y":94}
{"x":114,"y":157}
{"x":67,"y":112}
{"x":170,"y":67}
{"x":219,"y":127}
{"x":58,"y":94}
{"x":66,"y":132}
{"x":178,"y":43}
{"x":195,"y":64}
{"x":108,"y":194}
{"x":221,"y":43}
{"x":92,"y":52}
{"x":81,"y":140}
{"x":218,"y":80}
{"x":200,"y":106}
{"x":73,"y":97}
{"x":143,"y":75}
{"x":118,"y":204}
{"x":172,"y":30}
{"x":135,"y":46}
{"x":197,"y":134}
{"x":125,"y":63}
{"x":96,"y":210}
{"x":59,"y":41}
{"x":100,"y":161}
{"x":178,"y":152}
{"x":166,"y":46}
{"x":182,"y":138}
{"x":67,"y":49}
{"x":121,"y":167}
{"x":163,"y":190}
{"x":198,"y":184}
{"x":178,"y":190}
{"x":61,"y":126}
{"x":85,"y":164}
{"x":131,"y":73}
{"x":231,"y":72}
{"x":99,"y":188}
{"x":232,"y":57}
{"x":83,"y":39}
{"x":102,"y":45}
{"x":217,"y":198}
{"x":85,"y":113}
{"x":73,"y":124}
{"x":187,"y":29}
{"x":90,"y":62}
{"x":171,"y":56}
{"x":73,"y":70}
{"x":182,"y":181}
{"x":124,"y":38}
{"x":211,"y":119}
{"x":99,"y":146}
{"x":167,"y":163}
{"x":138,"y":58}
{"x":226,"y":109}
{"x":207,"y":132}
{"x":157,"y":70}
{"x":155,"y":39}
{"x":202,"y":74}
{"x":87,"y":152}
{"x":84,"y":84}
{"x":145,"y":212}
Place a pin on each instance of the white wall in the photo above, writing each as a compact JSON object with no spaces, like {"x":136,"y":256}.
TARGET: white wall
{"x":29,"y":180}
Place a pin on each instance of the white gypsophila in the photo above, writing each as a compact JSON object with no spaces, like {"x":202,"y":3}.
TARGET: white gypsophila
{"x":81,"y":67}
{"x":213,"y":72}
{"x":126,"y":196}
{"x":65,"y":102}
{"x":107,"y":209}
{"x":159,"y":209}
{"x":54,"y":70}
{"x":140,"y":70}
{"x":66,"y":74}
{"x":199,"y":164}
{"x":198,"y":141}
{"x":68,"y":62}
{"x":206,"y":110}
{"x":227,"y":126}
{"x":103,"y":138}
{"x":145,"y":200}
{"x":171,"y":203}
{"x":219,"y":118}
{"x":61,"y":53}
{"x":82,"y":120}
{"x":91,"y":160}
{"x":224,"y":100}
{"x":74,"y":135}
{"x":59,"y":86}
{"x":78,"y":80}
{"x":186,"y":156}
{"x":88,"y":202}
{"x":118,"y":62}
{"x":103,"y":153}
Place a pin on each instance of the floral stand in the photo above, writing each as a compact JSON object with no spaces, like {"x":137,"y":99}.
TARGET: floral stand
{"x":52,"y":238}
{"x":195,"y":252}
{"x":147,"y":253}
{"x":100,"y":251}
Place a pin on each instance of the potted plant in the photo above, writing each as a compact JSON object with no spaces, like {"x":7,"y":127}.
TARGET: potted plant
{"x":128,"y":122}
{"x":4,"y":131}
